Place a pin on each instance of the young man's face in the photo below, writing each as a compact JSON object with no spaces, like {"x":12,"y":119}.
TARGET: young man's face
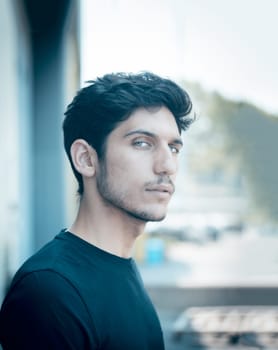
{"x":139,"y":167}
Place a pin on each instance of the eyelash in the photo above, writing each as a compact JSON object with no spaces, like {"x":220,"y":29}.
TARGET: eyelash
{"x":177,"y":151}
{"x":138,"y":143}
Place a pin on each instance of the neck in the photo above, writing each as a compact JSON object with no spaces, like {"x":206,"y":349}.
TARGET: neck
{"x":109,"y":229}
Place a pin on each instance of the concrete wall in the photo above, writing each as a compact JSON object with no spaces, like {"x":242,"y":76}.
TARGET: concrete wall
{"x":11,"y":141}
{"x":38,"y":79}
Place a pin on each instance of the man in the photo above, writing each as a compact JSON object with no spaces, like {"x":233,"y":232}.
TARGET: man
{"x":82,"y":290}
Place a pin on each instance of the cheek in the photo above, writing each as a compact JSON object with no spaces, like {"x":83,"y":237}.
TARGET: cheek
{"x":118,"y":169}
{"x":128,"y":166}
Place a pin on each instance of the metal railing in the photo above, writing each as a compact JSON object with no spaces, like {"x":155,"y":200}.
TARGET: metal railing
{"x":227,"y":326}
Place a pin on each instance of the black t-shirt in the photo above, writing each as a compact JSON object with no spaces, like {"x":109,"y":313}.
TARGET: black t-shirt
{"x":73,"y":295}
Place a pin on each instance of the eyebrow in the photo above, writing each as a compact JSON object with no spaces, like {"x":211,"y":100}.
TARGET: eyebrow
{"x":177,"y":141}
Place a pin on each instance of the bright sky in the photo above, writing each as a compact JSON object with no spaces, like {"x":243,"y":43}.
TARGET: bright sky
{"x":228,"y":46}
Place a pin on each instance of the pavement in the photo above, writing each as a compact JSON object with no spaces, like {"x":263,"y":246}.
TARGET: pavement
{"x":234,"y":261}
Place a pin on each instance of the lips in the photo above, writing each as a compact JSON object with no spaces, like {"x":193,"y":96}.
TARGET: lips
{"x":162,"y":188}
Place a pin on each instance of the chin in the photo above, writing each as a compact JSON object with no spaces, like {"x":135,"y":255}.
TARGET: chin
{"x":158,"y":218}
{"x":147,"y":216}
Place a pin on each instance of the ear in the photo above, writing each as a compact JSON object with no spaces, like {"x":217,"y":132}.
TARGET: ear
{"x":84,"y":157}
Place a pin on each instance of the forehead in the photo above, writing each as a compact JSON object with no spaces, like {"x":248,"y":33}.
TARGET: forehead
{"x":158,"y":120}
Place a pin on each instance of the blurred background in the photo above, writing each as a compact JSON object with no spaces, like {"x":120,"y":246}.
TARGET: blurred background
{"x":214,"y":260}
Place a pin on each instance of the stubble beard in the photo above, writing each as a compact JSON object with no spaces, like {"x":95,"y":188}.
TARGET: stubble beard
{"x":116,"y":199}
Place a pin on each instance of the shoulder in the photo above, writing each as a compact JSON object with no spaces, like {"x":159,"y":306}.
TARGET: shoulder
{"x":47,"y":289}
{"x":45,"y":305}
{"x":44,"y":283}
{"x":51,"y":261}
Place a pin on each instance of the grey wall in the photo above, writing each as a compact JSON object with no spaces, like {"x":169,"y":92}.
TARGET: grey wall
{"x":36,"y":75}
{"x":47,"y":21}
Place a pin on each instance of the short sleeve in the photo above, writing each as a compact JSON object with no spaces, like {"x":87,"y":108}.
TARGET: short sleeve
{"x":44,"y":311}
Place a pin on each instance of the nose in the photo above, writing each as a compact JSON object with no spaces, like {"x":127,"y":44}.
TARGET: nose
{"x":165,"y":162}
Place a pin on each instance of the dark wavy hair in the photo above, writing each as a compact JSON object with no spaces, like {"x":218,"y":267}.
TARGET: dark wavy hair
{"x":97,"y":109}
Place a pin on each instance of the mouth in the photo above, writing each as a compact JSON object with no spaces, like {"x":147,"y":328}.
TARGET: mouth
{"x":163,"y":189}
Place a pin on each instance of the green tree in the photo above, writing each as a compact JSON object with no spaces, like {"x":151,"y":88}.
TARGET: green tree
{"x":242,"y":139}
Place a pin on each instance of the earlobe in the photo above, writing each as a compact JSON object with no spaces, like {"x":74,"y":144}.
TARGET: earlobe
{"x":83,"y":157}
